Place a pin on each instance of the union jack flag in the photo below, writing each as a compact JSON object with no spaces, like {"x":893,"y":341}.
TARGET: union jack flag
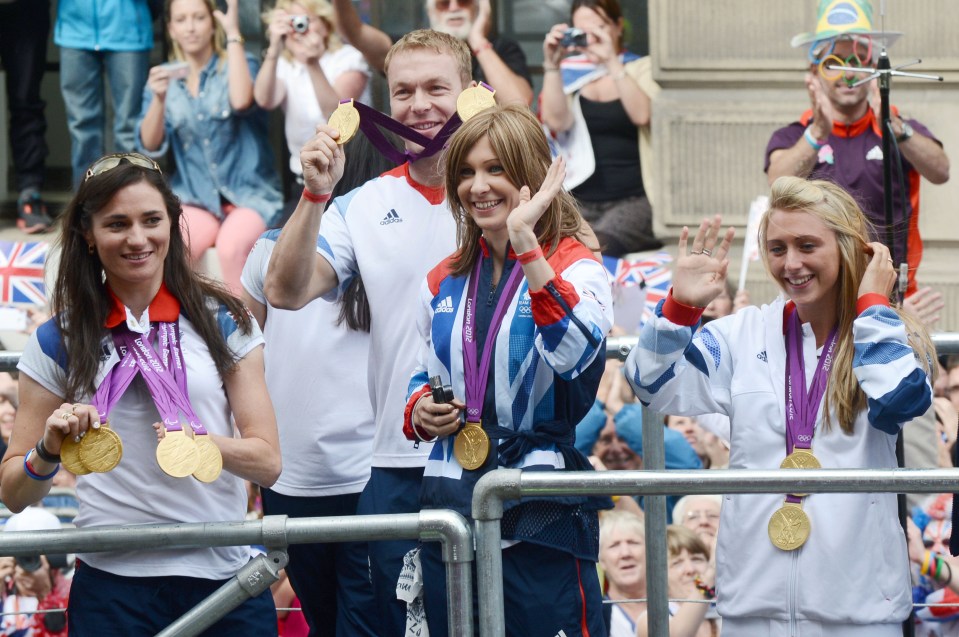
{"x":645,"y":281}
{"x":21,"y":272}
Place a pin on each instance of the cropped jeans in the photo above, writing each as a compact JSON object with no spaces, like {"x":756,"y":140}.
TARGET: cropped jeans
{"x":82,"y":74}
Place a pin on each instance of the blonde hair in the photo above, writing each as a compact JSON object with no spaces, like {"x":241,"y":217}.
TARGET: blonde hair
{"x":219,"y":36}
{"x":519,"y":143}
{"x":609,"y":521}
{"x":840,"y":213}
{"x":679,"y":509}
{"x":438,"y":43}
{"x":320,"y":8}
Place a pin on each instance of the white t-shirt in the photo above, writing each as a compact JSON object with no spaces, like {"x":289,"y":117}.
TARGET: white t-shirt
{"x":301,"y":108}
{"x":316,"y":374}
{"x":393,"y":232}
{"x":137,"y":491}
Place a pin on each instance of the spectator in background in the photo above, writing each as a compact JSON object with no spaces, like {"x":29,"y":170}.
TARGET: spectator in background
{"x":206,"y":113}
{"x":700,"y":514}
{"x":24,"y":28}
{"x":622,"y":556}
{"x":690,"y":576}
{"x":839,"y":137}
{"x":102,"y":40}
{"x":34,"y":583}
{"x":307,"y":74}
{"x":596,"y":105}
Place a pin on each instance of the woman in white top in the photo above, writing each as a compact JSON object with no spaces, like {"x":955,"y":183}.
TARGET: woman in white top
{"x":307,"y":70}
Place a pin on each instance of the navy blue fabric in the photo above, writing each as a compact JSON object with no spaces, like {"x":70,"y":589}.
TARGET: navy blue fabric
{"x":390,"y":490}
{"x":107,"y":605}
{"x":331,"y":580}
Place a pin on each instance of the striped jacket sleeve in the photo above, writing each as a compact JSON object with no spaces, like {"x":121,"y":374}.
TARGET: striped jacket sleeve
{"x":896,"y":386}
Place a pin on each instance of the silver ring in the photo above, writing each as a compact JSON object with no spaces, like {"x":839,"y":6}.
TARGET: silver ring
{"x":706,"y":252}
{"x":692,"y":252}
{"x":891,"y":261}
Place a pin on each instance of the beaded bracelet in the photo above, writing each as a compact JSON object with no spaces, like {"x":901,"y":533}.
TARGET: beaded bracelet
{"x":709,"y":592}
{"x":32,"y":473}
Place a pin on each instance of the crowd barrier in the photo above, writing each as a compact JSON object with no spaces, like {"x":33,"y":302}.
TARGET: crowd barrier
{"x":274,"y":533}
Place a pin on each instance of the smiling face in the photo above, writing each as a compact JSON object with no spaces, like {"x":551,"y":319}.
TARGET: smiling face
{"x":622,"y":554}
{"x":131,"y":235}
{"x":849,"y":101}
{"x":803,"y":257}
{"x":486,"y":192}
{"x":613,"y":450}
{"x":191,"y":27}
{"x":423,"y":85}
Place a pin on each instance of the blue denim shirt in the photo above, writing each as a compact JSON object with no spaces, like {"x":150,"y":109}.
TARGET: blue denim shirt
{"x":104,"y":25}
{"x":218,"y":151}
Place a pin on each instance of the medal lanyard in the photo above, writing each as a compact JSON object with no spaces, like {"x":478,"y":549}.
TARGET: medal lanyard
{"x":159,"y":379}
{"x":802,"y":407}
{"x":370,"y":118}
{"x":476,"y":379}
{"x":115,"y":382}
{"x":170,"y":348}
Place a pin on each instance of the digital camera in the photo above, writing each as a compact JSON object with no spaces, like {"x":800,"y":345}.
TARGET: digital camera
{"x":573,"y":37}
{"x":300,"y":23}
{"x":441,"y":393}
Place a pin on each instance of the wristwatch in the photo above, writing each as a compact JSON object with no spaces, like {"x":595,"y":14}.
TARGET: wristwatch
{"x":906,"y":132}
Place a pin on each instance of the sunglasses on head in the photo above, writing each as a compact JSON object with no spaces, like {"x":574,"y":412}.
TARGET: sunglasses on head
{"x":108,"y":163}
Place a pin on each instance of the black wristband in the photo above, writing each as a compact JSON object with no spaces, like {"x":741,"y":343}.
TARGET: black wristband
{"x":45,"y":455}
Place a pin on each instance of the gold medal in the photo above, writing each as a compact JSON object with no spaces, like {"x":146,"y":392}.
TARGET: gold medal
{"x":211,"y":461}
{"x":177,"y":454}
{"x":475,"y":99}
{"x":471,"y":446}
{"x":789,"y":527}
{"x":800,"y":459}
{"x":346,"y":120}
{"x":70,"y":457}
{"x":101,"y":449}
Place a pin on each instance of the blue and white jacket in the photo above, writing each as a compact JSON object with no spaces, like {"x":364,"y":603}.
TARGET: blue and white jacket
{"x":549,"y":356}
{"x":853,"y":569}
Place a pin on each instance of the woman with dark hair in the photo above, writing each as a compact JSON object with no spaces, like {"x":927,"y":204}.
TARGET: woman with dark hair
{"x":515,"y":321}
{"x":596,"y":105}
{"x":140,"y":342}
{"x":825,"y":377}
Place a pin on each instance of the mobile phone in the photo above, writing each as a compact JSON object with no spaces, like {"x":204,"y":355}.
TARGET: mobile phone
{"x":177,"y":70}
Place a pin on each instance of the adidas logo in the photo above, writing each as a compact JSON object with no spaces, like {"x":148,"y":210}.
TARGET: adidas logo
{"x":391,"y":217}
{"x":762,"y":356}
{"x":445,"y":306}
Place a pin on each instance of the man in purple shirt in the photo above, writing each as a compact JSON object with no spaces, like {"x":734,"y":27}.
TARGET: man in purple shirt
{"x":840,"y":137}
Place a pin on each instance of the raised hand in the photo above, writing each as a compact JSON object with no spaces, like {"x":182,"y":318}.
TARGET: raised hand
{"x":481,"y":24}
{"x":230,"y":21}
{"x":699,"y":275}
{"x":553,"y":50}
{"x":821,"y":108}
{"x":322,"y":161}
{"x":926,"y":304}
{"x":521,"y":222}
{"x":880,"y":274}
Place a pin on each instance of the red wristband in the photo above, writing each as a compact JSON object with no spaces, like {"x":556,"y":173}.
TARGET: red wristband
{"x":532,"y":255}
{"x":680,"y":313}
{"x":866,"y":301}
{"x":309,"y":196}
{"x":483,"y":47}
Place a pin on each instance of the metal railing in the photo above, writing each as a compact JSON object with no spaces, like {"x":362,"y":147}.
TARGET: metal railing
{"x":275,"y":533}
{"x":510,"y":484}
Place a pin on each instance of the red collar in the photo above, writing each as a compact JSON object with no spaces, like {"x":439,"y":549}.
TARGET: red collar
{"x":485,"y":248}
{"x":855,"y":129}
{"x":164,"y":307}
{"x":433,"y":194}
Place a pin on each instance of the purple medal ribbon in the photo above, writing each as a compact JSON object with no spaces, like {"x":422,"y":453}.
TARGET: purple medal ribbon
{"x":115,"y":382}
{"x":371,"y":119}
{"x":170,"y":348}
{"x":476,"y":378}
{"x":802,"y":407}
{"x":158,"y":378}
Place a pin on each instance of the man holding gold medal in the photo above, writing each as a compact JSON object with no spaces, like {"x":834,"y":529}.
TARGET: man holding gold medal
{"x":391,"y":231}
{"x":827,"y":378}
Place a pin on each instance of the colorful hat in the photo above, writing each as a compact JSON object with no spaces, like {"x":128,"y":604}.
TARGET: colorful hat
{"x":844,"y":17}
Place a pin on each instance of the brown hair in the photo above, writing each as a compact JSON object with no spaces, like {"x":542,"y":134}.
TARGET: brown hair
{"x":80,"y":298}
{"x":219,"y":36}
{"x":679,"y":538}
{"x":437,"y":42}
{"x":609,"y":9}
{"x":840,"y":213}
{"x":520,"y":144}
